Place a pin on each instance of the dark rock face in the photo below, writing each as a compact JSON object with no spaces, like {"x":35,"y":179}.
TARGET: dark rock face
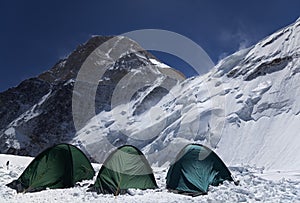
{"x":53,"y":121}
{"x":38,"y":113}
{"x":15,"y":101}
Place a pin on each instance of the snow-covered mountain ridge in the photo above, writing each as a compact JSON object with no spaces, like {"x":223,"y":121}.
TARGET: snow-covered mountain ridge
{"x":246,"y":108}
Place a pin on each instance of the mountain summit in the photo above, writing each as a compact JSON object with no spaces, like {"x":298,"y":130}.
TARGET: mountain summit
{"x":38,"y":112}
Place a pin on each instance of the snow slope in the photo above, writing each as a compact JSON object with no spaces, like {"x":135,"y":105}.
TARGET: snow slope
{"x":246,"y":108}
{"x":252,"y":188}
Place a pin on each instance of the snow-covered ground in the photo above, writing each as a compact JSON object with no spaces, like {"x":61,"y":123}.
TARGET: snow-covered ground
{"x":253,"y":187}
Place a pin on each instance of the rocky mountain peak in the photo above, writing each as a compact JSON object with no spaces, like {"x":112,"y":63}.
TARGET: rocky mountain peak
{"x":38,"y":112}
{"x":67,"y":68}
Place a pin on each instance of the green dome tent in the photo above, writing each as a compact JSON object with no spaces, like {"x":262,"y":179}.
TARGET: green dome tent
{"x":125,"y":168}
{"x":60,"y":166}
{"x":195,"y":168}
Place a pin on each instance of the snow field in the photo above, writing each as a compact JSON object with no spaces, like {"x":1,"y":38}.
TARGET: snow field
{"x":252,"y":188}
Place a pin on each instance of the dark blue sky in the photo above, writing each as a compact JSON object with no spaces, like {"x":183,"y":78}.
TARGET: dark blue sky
{"x":36,"y":34}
